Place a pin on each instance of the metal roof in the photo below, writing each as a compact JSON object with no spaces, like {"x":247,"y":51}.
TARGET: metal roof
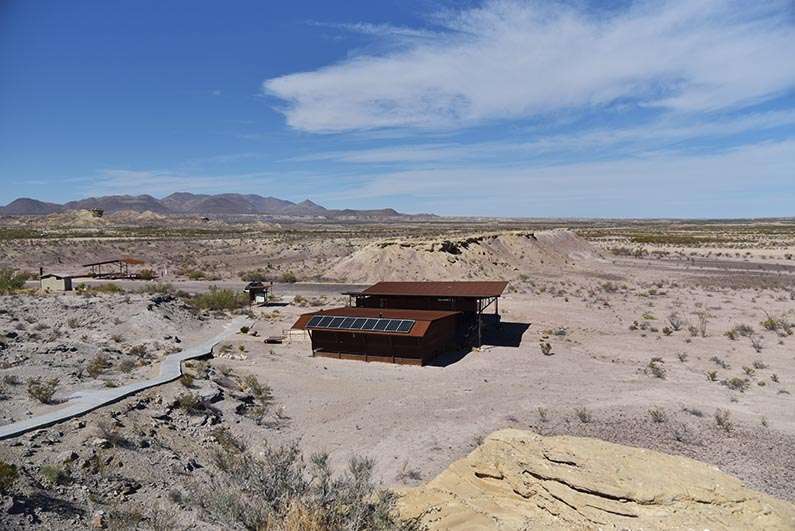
{"x":466,"y":289}
{"x":124,"y":259}
{"x":423,"y":318}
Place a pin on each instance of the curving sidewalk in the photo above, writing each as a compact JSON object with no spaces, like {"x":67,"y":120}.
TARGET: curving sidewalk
{"x":86,"y":401}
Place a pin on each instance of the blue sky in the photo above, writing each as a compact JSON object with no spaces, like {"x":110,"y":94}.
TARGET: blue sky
{"x":678,"y":108}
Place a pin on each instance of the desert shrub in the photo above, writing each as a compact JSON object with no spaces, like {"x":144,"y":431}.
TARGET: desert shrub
{"x":255,"y":275}
{"x":583,"y":415}
{"x":186,"y":379}
{"x":719,"y":362}
{"x":244,"y":329}
{"x":723,"y":420}
{"x":658,"y":414}
{"x":98,"y":365}
{"x":712,"y":376}
{"x":146,"y":274}
{"x":219,"y":300}
{"x":289,"y":277}
{"x":278,"y":489}
{"x":675,"y":321}
{"x":161,"y":288}
{"x":757,"y":342}
{"x":127,"y":365}
{"x":106,"y":428}
{"x":54,"y":475}
{"x":759,"y":364}
{"x":737,"y":384}
{"x":74,"y":322}
{"x":656,"y":368}
{"x":11,"y":280}
{"x":107,"y":287}
{"x":702,"y":318}
{"x":190,"y":403}
{"x":543,"y":414}
{"x":546,"y":348}
{"x":137,"y":350}
{"x":43,"y":390}
{"x":779,"y":325}
{"x":682,"y":356}
{"x":8,"y":475}
{"x":741,"y":330}
{"x":774,"y":377}
{"x":11,"y":379}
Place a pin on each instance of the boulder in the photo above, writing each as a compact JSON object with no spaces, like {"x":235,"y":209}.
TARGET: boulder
{"x":521,"y":480}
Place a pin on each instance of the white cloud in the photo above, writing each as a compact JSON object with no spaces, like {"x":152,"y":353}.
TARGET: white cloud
{"x":751,"y":179}
{"x":512,"y":59}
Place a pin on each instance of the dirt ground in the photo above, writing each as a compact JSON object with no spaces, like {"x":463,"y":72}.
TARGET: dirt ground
{"x":689,"y":354}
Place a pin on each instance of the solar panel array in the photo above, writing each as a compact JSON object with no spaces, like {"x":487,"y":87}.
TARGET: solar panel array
{"x":372,"y":324}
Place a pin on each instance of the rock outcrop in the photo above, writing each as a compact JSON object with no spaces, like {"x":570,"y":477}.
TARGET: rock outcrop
{"x":521,"y":480}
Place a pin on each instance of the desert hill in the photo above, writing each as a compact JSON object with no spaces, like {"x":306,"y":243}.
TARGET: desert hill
{"x":200,"y":204}
{"x":521,"y":480}
{"x":496,"y":255}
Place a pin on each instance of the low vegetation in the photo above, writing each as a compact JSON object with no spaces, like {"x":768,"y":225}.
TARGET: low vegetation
{"x":11,"y":281}
{"x":219,"y":300}
{"x":43,"y":390}
{"x":278,"y":489}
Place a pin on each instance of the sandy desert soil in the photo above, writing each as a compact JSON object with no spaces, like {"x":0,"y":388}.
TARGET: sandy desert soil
{"x":691,"y":356}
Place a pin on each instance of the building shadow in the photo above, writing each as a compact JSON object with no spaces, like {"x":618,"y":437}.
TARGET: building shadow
{"x":505,"y":334}
{"x":496,"y":335}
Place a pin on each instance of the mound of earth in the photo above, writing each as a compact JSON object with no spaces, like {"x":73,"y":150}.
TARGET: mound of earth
{"x":521,"y":480}
{"x":501,"y":255}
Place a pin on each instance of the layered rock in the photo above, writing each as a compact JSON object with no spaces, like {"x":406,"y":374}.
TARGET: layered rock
{"x":521,"y":480}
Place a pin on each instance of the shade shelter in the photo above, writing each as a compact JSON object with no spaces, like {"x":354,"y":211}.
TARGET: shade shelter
{"x":258,"y":292}
{"x":470,"y":298}
{"x":113,"y":268}
{"x":412,"y":337}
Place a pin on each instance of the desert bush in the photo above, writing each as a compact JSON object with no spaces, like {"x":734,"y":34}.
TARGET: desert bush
{"x":656,"y":368}
{"x":159,"y":288}
{"x":737,"y":384}
{"x":543,"y":414}
{"x":712,"y":376}
{"x":11,"y":379}
{"x":190,"y":403}
{"x":98,"y":365}
{"x":127,"y":365}
{"x":146,"y":274}
{"x":8,"y":476}
{"x":780,"y":325}
{"x":719,"y":362}
{"x":723,"y":420}
{"x":288,"y":277}
{"x":703,"y":318}
{"x":774,"y":377}
{"x":107,"y":287}
{"x":658,"y":414}
{"x":682,"y":356}
{"x":244,"y":329}
{"x":11,"y":280}
{"x":186,"y":379}
{"x":278,"y":490}
{"x":546,"y":348}
{"x":583,"y":415}
{"x":43,"y":390}
{"x":54,"y":475}
{"x":757,"y":342}
{"x":741,"y":330}
{"x":137,"y":350}
{"x":675,"y":321}
{"x":255,"y":275}
{"x":219,"y":300}
{"x":106,"y":428}
{"x":74,"y":322}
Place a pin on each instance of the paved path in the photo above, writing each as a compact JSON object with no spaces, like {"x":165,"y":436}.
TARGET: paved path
{"x":84,"y":402}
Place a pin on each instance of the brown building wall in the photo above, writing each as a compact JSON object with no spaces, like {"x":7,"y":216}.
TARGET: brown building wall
{"x":381,"y":347}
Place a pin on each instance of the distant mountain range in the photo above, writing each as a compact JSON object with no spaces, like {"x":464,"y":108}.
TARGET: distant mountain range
{"x":188,"y":203}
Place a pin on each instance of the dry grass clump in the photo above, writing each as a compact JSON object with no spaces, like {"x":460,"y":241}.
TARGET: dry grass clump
{"x":8,"y":476}
{"x":779,"y":324}
{"x":741,"y":330}
{"x":658,"y":414}
{"x":278,"y":490}
{"x":583,"y":414}
{"x":98,"y":365}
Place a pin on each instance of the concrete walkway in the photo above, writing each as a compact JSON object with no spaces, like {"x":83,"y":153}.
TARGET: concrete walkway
{"x":86,"y":401}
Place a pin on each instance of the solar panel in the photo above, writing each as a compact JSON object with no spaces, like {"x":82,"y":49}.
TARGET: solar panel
{"x":403,"y":326}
